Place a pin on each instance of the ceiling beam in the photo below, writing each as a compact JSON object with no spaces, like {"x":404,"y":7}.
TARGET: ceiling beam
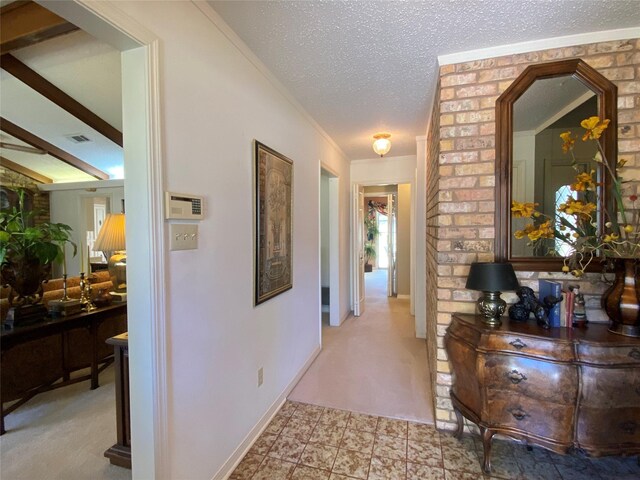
{"x":27,"y":172}
{"x":27,"y":23}
{"x":28,"y":137}
{"x":44,"y":87}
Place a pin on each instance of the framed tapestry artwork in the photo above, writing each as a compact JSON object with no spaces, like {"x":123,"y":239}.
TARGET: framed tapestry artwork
{"x":274,"y":225}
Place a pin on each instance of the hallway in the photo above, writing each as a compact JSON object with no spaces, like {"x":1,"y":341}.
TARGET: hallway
{"x":373,"y":363}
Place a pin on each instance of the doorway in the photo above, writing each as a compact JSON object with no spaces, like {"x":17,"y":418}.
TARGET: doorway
{"x":383,"y":213}
{"x":380,"y":204}
{"x":329,"y":248}
{"x":145,"y":226}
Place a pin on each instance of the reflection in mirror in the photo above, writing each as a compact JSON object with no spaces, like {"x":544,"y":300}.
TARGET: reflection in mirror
{"x":541,"y":172}
{"x":545,"y":100}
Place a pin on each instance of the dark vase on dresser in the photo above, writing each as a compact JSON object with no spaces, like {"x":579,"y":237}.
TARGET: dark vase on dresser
{"x":621,"y":301}
{"x":559,"y":388}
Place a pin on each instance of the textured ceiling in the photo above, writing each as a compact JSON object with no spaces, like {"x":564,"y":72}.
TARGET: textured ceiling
{"x":359,"y":67}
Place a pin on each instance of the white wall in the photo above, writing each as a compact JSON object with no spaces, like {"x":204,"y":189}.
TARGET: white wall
{"x":324,"y":230}
{"x":383,"y":170}
{"x":215,"y":102}
{"x":403,"y":239}
{"x":340,"y":167}
{"x":419,"y":240}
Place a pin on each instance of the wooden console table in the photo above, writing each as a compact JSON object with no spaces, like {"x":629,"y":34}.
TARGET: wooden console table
{"x":40,"y":357}
{"x":559,"y":388}
{"x":120,"y":453}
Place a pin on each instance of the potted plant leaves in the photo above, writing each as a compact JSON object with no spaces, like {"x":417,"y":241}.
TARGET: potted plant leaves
{"x":371,"y":227}
{"x":27,"y":251}
{"x":369,"y":255}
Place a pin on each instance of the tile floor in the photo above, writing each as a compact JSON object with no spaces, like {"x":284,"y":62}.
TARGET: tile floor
{"x":308,"y":442}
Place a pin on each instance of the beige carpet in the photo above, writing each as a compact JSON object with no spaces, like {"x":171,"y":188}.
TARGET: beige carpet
{"x":62,"y":434}
{"x":373,"y":363}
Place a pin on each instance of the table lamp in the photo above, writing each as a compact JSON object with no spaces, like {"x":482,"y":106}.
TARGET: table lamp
{"x":491,"y":279}
{"x":111,"y":241}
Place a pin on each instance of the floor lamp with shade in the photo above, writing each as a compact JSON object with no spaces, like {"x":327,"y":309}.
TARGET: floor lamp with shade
{"x":111,"y":241}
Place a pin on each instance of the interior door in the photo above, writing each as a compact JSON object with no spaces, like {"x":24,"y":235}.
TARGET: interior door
{"x":391,"y":222}
{"x":358,"y":250}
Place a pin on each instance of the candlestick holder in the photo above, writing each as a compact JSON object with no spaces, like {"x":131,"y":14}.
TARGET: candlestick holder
{"x":65,"y":297}
{"x":83,"y":299}
{"x":89,"y":306}
{"x":66,"y":305}
{"x":85,"y":294}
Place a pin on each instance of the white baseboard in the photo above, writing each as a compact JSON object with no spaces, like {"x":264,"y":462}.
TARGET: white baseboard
{"x":403,"y":297}
{"x":346,"y":315}
{"x":232,"y":462}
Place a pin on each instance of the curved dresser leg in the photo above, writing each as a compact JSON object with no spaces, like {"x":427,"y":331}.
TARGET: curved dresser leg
{"x":460,"y":423}
{"x":487,"y":436}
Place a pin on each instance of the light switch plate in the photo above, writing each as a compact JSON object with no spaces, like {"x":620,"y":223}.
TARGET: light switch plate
{"x":183,"y":236}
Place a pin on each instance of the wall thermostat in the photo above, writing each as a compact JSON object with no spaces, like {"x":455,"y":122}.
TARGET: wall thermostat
{"x":183,"y":206}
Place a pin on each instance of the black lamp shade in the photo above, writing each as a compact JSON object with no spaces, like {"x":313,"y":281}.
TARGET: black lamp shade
{"x":492,"y":277}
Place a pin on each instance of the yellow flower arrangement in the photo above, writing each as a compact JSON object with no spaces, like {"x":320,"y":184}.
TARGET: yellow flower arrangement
{"x":576,"y":224}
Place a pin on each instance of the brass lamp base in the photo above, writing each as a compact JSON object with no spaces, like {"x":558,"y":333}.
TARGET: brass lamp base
{"x":118,"y":271}
{"x":491,"y":307}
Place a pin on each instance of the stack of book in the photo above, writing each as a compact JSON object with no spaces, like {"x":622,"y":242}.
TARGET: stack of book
{"x":561,"y":315}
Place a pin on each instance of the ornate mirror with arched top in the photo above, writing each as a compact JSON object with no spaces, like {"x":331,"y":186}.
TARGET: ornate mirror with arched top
{"x":543,"y":102}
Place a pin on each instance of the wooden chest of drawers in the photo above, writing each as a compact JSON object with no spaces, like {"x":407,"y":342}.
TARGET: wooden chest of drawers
{"x":556,"y":388}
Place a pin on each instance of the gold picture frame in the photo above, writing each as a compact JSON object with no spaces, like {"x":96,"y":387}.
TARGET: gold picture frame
{"x":274,"y":223}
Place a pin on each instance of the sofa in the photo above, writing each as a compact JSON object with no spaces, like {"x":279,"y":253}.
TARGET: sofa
{"x":53,"y":289}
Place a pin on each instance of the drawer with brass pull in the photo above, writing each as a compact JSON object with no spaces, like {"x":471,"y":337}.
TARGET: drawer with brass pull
{"x":610,"y":387}
{"x":606,"y":355}
{"x":602,"y":428}
{"x":544,"y":419}
{"x":539,"y":379}
{"x":529,"y":346}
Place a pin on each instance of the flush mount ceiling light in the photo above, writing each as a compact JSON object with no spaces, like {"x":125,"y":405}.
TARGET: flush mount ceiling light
{"x":382,"y":144}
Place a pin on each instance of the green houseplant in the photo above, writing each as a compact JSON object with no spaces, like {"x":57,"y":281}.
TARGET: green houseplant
{"x":371,"y":227}
{"x":27,"y":251}
{"x":369,"y":254}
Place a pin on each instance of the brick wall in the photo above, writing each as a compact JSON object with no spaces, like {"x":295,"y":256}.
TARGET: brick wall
{"x":461,"y":180}
{"x":11,"y":179}
{"x":434,"y":340}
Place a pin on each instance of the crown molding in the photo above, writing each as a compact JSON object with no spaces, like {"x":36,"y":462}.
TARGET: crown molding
{"x":536,"y":45}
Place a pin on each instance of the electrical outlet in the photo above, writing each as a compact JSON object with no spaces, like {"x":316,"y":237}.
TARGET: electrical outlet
{"x":260,"y":376}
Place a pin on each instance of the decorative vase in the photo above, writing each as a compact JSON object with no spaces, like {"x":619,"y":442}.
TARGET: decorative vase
{"x":621,"y":301}
{"x":102,"y":298}
{"x":25,"y":278}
